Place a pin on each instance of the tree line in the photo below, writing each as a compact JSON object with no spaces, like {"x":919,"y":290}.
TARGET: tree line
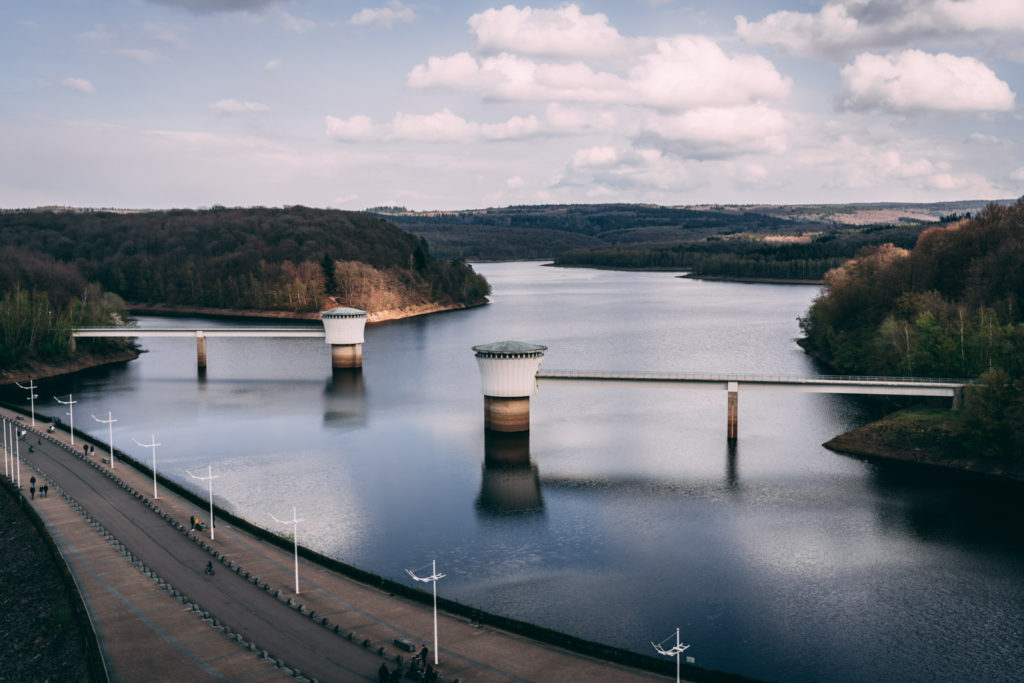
{"x":948,"y":307}
{"x":61,"y":269}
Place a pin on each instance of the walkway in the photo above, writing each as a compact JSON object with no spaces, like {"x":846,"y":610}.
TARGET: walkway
{"x":246,"y":621}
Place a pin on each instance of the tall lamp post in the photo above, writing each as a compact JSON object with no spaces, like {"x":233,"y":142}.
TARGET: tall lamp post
{"x":110,"y":430}
{"x":71,"y":412}
{"x":7,"y":471}
{"x":432,"y":579}
{"x":210,"y":476}
{"x":153,"y":445}
{"x":295,"y":534}
{"x":32,"y":396}
{"x":676,"y":650}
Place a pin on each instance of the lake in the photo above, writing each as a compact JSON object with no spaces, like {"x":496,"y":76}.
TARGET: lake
{"x":774,"y":556}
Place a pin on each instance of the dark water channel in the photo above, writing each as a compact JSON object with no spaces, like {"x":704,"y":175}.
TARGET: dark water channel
{"x":775,"y":557}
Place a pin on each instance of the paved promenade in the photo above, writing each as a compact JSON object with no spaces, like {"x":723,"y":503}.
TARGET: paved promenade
{"x":161,"y":618}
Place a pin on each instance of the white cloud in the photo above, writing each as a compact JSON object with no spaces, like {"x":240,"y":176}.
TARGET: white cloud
{"x":985,"y":140}
{"x":718,"y":131}
{"x":295,"y":24}
{"x":916,"y":80}
{"x":272,"y":65}
{"x":442,"y":126}
{"x":79,"y":84}
{"x":682,"y":72}
{"x":843,"y":27}
{"x":167,"y":33}
{"x":561,"y":32}
{"x":136,"y":55}
{"x":394,"y":13}
{"x":1018,"y":174}
{"x":233,"y":106}
{"x":514,"y":182}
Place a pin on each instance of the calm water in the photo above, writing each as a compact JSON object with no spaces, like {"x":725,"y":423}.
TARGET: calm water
{"x":775,"y":557}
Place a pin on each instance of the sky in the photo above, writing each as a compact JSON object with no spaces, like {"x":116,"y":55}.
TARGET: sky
{"x":154,"y":104}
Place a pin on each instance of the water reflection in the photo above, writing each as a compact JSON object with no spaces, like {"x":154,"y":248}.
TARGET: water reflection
{"x":732,"y":474}
{"x":510,"y":484}
{"x":345,"y":398}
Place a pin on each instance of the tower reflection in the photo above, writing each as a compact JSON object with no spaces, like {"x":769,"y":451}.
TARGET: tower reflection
{"x":345,"y":398}
{"x":511,"y":483}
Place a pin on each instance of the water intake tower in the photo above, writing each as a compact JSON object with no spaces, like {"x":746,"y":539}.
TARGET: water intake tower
{"x":343,"y":330}
{"x":508,"y":377}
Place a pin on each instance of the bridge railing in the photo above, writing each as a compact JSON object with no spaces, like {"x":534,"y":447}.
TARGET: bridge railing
{"x":734,"y":377}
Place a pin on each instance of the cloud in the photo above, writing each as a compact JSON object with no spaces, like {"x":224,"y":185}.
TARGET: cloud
{"x":844,"y":27}
{"x":682,"y":72}
{"x":560,"y":32}
{"x":233,"y":106}
{"x":985,"y":140}
{"x":217,"y":6}
{"x":1018,"y":174}
{"x":295,"y":24}
{"x":915,"y":80}
{"x":272,"y":65}
{"x":514,"y":182}
{"x":79,"y":84}
{"x":394,"y":13}
{"x":442,"y":126}
{"x":136,"y":55}
{"x":716,"y":132}
{"x":167,"y":33}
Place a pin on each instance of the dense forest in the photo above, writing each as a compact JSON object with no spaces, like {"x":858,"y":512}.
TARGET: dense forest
{"x":66,"y":268}
{"x":264,"y":259}
{"x":777,"y":242}
{"x":948,"y":307}
{"x":42,"y":299}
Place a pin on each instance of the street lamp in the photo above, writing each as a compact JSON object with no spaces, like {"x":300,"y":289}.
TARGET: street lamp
{"x":295,"y":534}
{"x":153,"y":445}
{"x":71,"y":411}
{"x":31,"y":397}
{"x":676,"y":650}
{"x":209,"y":477}
{"x":110,"y":428}
{"x":432,"y":579}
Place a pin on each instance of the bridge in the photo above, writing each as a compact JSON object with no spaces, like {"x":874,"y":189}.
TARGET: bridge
{"x":733,"y":383}
{"x":342,"y":329}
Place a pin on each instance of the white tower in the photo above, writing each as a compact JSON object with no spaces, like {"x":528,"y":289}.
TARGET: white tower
{"x":508,"y":377}
{"x":343,"y":330}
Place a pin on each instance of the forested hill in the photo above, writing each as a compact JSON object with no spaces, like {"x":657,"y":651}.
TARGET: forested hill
{"x":295,"y":259}
{"x":778,"y":242}
{"x":953,"y":306}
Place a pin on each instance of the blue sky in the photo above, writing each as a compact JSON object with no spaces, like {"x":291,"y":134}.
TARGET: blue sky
{"x":191,"y":103}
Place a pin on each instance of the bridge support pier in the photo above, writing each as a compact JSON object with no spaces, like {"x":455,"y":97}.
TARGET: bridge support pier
{"x":732,"y":420}
{"x":200,"y":349}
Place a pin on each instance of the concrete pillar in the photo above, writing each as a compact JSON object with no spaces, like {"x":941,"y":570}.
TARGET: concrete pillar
{"x":343,"y":330}
{"x":346,"y":356}
{"x":200,"y":349}
{"x":958,"y":398}
{"x":508,"y":377}
{"x":732,"y":426}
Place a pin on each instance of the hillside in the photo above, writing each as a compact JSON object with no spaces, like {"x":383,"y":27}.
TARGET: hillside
{"x":948,"y":307}
{"x":295,"y":259}
{"x":787,"y":242}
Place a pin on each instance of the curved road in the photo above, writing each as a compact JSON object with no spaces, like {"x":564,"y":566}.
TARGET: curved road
{"x":245,"y":608}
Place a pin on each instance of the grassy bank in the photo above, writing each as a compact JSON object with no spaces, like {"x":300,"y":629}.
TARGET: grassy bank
{"x":928,"y":436}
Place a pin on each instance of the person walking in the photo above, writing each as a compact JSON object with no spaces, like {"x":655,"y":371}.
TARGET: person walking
{"x":383,"y":675}
{"x":32,"y":490}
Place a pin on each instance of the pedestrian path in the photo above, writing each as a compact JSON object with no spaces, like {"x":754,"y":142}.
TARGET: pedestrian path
{"x":139,"y":619}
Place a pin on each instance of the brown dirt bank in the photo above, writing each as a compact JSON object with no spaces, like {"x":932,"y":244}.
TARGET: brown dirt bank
{"x":926,"y":436}
{"x":39,"y":370}
{"x":371,"y":318}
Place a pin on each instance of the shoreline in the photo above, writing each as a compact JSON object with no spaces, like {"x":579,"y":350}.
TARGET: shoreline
{"x":85,"y":361}
{"x":925,"y":437}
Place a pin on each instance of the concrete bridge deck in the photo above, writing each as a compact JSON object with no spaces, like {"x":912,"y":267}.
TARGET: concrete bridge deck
{"x":293,"y":331}
{"x":824,"y":384}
